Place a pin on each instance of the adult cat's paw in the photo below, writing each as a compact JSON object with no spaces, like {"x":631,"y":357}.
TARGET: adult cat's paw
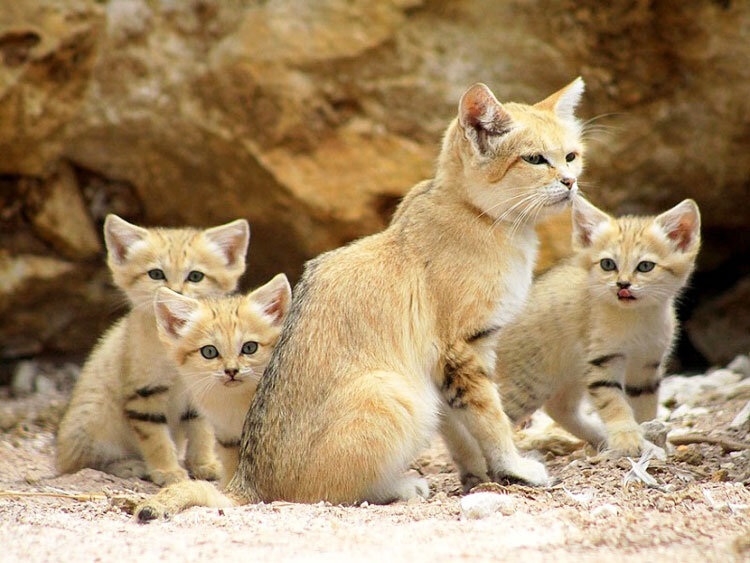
{"x":469,"y":481}
{"x":208,"y":470}
{"x":524,"y":470}
{"x":412,"y":486}
{"x":149,"y":510}
{"x":166,"y":477}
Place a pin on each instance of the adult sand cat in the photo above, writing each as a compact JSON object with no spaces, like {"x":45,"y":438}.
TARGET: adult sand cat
{"x":221,"y":346}
{"x":600,"y":325}
{"x":391,"y":333}
{"x":129,"y":406}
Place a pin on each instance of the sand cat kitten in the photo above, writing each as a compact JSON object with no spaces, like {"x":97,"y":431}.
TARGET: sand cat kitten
{"x":388,"y":333}
{"x":221,"y":347}
{"x":129,"y":406}
{"x":601,"y":325}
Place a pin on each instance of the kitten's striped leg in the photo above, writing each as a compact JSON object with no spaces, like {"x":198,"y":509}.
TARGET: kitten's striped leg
{"x":200,"y":457}
{"x":642,"y":389}
{"x":565,"y":409}
{"x":604,"y":382}
{"x":474,"y":401}
{"x":229,"y":454}
{"x":146,"y":411}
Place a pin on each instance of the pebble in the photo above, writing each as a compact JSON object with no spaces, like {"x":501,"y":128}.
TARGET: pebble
{"x":483,"y":504}
{"x":741,"y":365}
{"x":655,"y":431}
{"x":742,"y":417}
{"x":23,"y":379}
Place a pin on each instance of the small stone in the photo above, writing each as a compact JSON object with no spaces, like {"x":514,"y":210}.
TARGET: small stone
{"x":741,"y":365}
{"x":655,"y":431}
{"x":719,"y":476}
{"x":23,"y":378}
{"x":44,"y":385}
{"x":688,"y":454}
{"x":481,"y":505}
{"x":742,"y":417}
{"x":364,"y":504}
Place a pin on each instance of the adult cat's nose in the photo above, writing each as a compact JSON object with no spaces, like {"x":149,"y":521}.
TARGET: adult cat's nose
{"x":568,"y":182}
{"x":231,"y":372}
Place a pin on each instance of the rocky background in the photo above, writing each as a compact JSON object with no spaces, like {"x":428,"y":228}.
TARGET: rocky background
{"x":312,"y":119}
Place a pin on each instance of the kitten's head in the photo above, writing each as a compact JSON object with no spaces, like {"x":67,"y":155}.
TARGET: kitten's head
{"x":636,"y":261}
{"x":189,"y":261}
{"x":517,"y":161}
{"x":223,"y":342}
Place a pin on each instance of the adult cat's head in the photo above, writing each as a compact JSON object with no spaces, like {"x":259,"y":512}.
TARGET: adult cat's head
{"x":515,"y":160}
{"x":192,"y":262}
{"x":636,"y":261}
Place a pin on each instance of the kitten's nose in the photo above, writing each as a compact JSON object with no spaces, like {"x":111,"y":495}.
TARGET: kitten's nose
{"x":568,"y":182}
{"x":623,"y":284}
{"x":231,"y":372}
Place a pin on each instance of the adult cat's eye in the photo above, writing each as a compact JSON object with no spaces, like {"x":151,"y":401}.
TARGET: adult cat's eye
{"x":570,"y":157}
{"x":645,"y":266}
{"x":607,"y":264}
{"x":195,"y":276}
{"x":157,"y":274}
{"x":535,"y":159}
{"x":249,"y":347}
{"x":209,"y":352}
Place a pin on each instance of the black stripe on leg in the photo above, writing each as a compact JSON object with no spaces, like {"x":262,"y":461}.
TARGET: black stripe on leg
{"x":156,"y":418}
{"x":605,"y":383}
{"x":148,"y":391}
{"x":638,"y":390}
{"x":602,"y":360}
{"x":484,"y":333}
{"x":235,"y":443}
{"x":190,"y":414}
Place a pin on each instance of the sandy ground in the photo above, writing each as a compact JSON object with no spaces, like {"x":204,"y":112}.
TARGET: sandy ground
{"x":700,"y":510}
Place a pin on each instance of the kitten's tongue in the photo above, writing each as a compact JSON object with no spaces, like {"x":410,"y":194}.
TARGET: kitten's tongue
{"x":623,"y":294}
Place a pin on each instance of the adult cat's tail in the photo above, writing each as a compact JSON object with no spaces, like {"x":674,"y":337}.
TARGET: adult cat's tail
{"x":179,"y":496}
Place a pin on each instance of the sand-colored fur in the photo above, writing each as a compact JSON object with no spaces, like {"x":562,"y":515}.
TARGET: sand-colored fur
{"x":130,"y":410}
{"x":390,"y":334}
{"x":581,"y":334}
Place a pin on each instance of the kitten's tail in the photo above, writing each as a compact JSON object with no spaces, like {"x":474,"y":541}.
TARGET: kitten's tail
{"x":184,"y":494}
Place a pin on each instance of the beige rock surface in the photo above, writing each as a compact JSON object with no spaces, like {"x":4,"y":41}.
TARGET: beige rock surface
{"x":311,"y":119}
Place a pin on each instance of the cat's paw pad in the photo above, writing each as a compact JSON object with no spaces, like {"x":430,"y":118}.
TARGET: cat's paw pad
{"x":413,"y":486}
{"x":210,"y":470}
{"x":163,"y":477}
{"x":524,"y":470}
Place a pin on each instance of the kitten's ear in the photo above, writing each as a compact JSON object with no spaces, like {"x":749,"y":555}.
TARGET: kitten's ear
{"x":174,"y":312}
{"x":231,"y":239}
{"x":564,"y":101}
{"x":120,"y":236}
{"x":682,"y":224}
{"x":481,"y":116}
{"x":273,"y":299}
{"x":587,"y":221}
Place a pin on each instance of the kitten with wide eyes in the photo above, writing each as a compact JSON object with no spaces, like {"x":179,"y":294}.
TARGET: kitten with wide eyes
{"x":600,"y":324}
{"x":130,"y":408}
{"x":221,"y":347}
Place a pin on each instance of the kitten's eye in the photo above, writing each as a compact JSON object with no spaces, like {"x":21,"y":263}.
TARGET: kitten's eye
{"x":209,"y":352}
{"x":535,"y":159}
{"x":570,"y":157}
{"x":157,"y":274}
{"x":607,"y":264}
{"x":645,"y":266}
{"x":195,"y":276}
{"x":249,"y":347}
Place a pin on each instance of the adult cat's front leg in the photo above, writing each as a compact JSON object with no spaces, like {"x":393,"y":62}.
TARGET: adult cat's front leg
{"x":473,"y":400}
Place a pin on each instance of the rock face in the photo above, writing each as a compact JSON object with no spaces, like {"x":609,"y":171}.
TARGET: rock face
{"x":312,"y":119}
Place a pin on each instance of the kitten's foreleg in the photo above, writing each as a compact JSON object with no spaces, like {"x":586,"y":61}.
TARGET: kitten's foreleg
{"x":229,"y":454}
{"x":200,"y":457}
{"x":475,"y":402}
{"x":642,"y":389}
{"x":604,"y":382}
{"x":565,"y":409}
{"x":145,"y":410}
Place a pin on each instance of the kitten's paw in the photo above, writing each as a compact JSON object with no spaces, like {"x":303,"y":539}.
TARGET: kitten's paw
{"x":208,"y":470}
{"x":524,"y":470}
{"x":164,"y":477}
{"x":626,"y":443}
{"x":127,"y":468}
{"x":147,"y":511}
{"x":469,"y":481}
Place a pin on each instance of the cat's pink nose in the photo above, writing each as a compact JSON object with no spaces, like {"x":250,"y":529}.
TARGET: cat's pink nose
{"x":568,"y":182}
{"x":231,"y":372}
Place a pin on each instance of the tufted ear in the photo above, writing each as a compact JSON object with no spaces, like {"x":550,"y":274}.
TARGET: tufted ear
{"x":564,"y":101}
{"x":588,"y":220}
{"x":682,"y":224}
{"x":174,"y":312}
{"x":273,"y":299}
{"x":481,"y":116}
{"x":231,"y":239}
{"x":120,"y":236}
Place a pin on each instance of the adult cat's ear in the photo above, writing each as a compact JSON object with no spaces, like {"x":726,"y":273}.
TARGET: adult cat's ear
{"x":481,"y":116}
{"x":231,"y":239}
{"x":588,"y":220}
{"x":120,"y":236}
{"x":682,"y":225}
{"x":273,"y":299}
{"x":174,"y":312}
{"x":564,"y":101}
